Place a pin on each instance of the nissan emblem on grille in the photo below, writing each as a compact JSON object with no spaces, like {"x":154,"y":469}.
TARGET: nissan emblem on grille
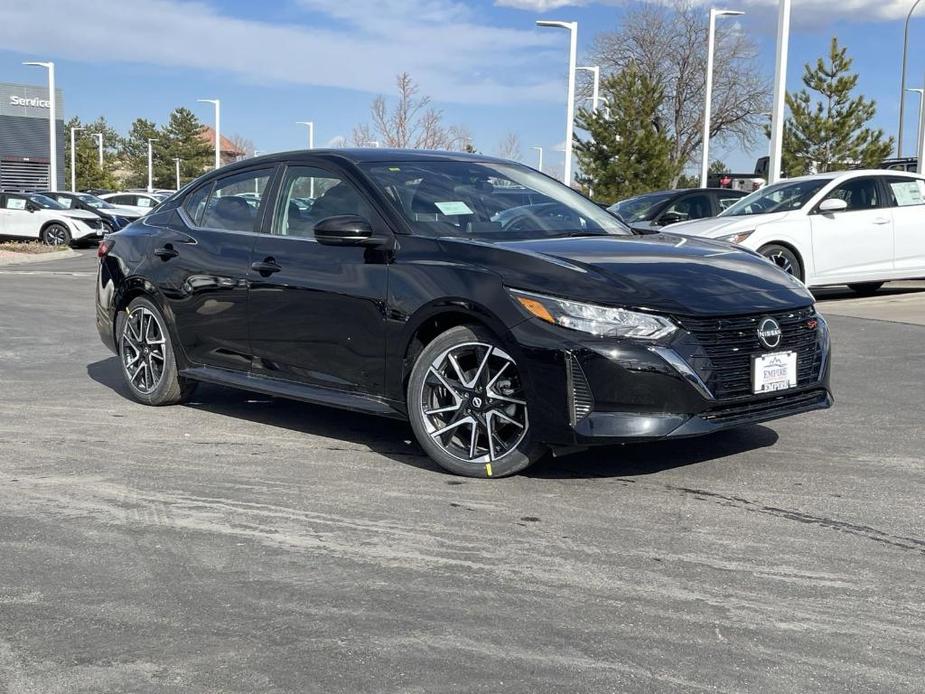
{"x":769,"y":333}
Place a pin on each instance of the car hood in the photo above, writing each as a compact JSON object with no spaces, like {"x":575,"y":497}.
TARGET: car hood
{"x":79,"y":214}
{"x":120,"y":211}
{"x":720,"y":226}
{"x":662,"y":272}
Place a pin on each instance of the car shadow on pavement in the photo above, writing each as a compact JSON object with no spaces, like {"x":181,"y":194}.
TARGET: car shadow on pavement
{"x":393,"y":438}
{"x":634,"y":459}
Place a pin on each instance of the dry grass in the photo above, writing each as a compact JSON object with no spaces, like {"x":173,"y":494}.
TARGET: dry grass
{"x":29,"y":247}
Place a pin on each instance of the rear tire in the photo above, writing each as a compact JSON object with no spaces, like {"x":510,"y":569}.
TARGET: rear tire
{"x":783,"y":258}
{"x":56,"y":235}
{"x":467,"y":386}
{"x":865,"y":288}
{"x":146,"y":353}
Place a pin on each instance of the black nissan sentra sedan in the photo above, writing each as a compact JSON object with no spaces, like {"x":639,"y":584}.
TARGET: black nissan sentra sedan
{"x":410,"y":287}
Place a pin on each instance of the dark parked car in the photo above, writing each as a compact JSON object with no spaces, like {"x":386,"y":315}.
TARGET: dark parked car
{"x":648,"y":213}
{"x":397,"y":294}
{"x":113,"y":217}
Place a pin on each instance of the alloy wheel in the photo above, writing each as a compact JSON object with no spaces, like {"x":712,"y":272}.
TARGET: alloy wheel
{"x":473,"y":404}
{"x":56,"y":235}
{"x":143,"y":344}
{"x":781,"y":261}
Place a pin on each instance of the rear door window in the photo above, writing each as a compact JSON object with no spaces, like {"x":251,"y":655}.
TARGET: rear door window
{"x":236,"y":202}
{"x":905,"y":192}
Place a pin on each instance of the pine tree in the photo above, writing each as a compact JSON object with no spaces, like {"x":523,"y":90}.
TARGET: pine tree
{"x":832,"y":133}
{"x":134,"y":153}
{"x":626,"y":153}
{"x":181,"y":139}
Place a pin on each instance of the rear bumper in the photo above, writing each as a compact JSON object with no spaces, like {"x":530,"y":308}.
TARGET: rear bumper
{"x":588,"y":391}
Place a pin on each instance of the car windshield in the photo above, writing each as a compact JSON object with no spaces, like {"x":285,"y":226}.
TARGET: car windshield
{"x":780,"y":197}
{"x":485,"y":200}
{"x":46,"y":202}
{"x":638,"y":208}
{"x":94,"y":202}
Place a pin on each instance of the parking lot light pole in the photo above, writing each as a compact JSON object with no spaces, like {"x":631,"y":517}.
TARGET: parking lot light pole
{"x":151,"y":164}
{"x":52,"y":130}
{"x":539,"y":164}
{"x":595,"y":89}
{"x":780,"y":93}
{"x":177,"y":161}
{"x":570,"y":104}
{"x":902,"y":87}
{"x":708,"y":99}
{"x":99,"y":139}
{"x":921,"y":93}
{"x":74,"y":161}
{"x":311,"y":145}
{"x":218,"y":129}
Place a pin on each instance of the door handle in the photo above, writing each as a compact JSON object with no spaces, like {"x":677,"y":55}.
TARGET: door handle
{"x":881,"y":220}
{"x":166,"y":253}
{"x":266,"y":267}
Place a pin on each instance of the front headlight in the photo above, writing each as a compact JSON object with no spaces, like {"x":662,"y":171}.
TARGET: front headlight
{"x":594,"y":319}
{"x":737,"y":237}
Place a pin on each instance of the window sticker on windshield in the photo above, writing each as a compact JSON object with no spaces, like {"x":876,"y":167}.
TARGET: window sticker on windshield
{"x":907,"y":193}
{"x":394,"y":168}
{"x":15,"y":204}
{"x":453,"y":207}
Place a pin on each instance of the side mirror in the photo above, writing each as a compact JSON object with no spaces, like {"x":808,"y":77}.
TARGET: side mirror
{"x":32,"y":207}
{"x":669,"y":218}
{"x":345,"y":230}
{"x":833,"y":205}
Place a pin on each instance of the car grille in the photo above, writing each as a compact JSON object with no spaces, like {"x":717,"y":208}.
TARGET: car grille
{"x":581,"y":401}
{"x":722,"y":349}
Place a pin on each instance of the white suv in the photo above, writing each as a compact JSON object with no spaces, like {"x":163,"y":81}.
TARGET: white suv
{"x":859,"y":228}
{"x":34,"y":216}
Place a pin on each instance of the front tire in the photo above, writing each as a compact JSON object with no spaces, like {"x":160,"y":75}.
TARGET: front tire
{"x":783,"y":258}
{"x":865,"y":288}
{"x":146,"y":353}
{"x":56,"y":235}
{"x":468,"y":407}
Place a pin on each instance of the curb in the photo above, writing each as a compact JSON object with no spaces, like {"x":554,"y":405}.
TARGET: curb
{"x":23,"y":258}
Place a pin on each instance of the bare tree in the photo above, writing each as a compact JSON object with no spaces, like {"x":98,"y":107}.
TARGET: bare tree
{"x":509,"y":148}
{"x":242,"y":145}
{"x":669,"y":41}
{"x":411,"y":123}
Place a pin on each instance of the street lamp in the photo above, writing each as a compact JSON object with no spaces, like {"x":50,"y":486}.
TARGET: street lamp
{"x":151,"y":164}
{"x":539,"y":165}
{"x":902,"y":88}
{"x":920,"y":137}
{"x":177,"y":162}
{"x":52,"y":131}
{"x":570,"y":104}
{"x":218,"y":125}
{"x":780,"y":93}
{"x":99,"y":138}
{"x":311,"y":131}
{"x":74,"y":160}
{"x":595,"y":90}
{"x":711,"y":40}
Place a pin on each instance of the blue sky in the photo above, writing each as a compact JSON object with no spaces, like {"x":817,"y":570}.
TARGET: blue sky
{"x":279,"y":61}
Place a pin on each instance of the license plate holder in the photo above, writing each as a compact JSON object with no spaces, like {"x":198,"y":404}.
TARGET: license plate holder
{"x":774,"y":371}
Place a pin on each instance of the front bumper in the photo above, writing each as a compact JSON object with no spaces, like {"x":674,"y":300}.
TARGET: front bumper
{"x":586,"y":391}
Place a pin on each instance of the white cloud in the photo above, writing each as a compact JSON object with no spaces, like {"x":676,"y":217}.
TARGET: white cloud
{"x":538,"y":5}
{"x":440,"y":42}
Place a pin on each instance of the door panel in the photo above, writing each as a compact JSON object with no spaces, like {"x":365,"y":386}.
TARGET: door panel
{"x":17,"y":220}
{"x":856,"y":243}
{"x":319,"y":318}
{"x":201,"y":272}
{"x":907,"y":199}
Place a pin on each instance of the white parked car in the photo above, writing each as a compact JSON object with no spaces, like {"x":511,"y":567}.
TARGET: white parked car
{"x":34,"y":216}
{"x":142,"y":203}
{"x":859,"y":228}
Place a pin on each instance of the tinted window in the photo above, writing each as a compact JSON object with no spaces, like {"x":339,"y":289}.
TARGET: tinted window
{"x":309,"y":195}
{"x":236,"y":201}
{"x":469,"y":198}
{"x":195,"y":202}
{"x":724,"y":200}
{"x":906,"y":192}
{"x":858,"y":193}
{"x":122,"y":200}
{"x":690,"y":207}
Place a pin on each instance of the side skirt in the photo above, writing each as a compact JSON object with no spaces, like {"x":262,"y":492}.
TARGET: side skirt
{"x":356,"y":402}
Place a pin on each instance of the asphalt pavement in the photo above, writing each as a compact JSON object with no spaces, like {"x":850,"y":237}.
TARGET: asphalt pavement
{"x":246,"y":544}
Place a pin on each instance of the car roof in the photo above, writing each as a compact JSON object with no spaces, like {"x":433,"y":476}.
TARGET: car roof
{"x":369,"y":155}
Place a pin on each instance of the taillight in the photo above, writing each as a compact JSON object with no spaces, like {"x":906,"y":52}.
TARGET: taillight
{"x":105,"y":247}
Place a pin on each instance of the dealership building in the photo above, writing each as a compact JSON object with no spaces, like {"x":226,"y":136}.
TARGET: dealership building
{"x":24,"y":156}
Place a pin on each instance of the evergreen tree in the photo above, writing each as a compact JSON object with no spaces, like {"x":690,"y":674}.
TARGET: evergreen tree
{"x":181,"y":139}
{"x":89,"y":173}
{"x":627,"y":153}
{"x":134,"y":154}
{"x":832,"y":133}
